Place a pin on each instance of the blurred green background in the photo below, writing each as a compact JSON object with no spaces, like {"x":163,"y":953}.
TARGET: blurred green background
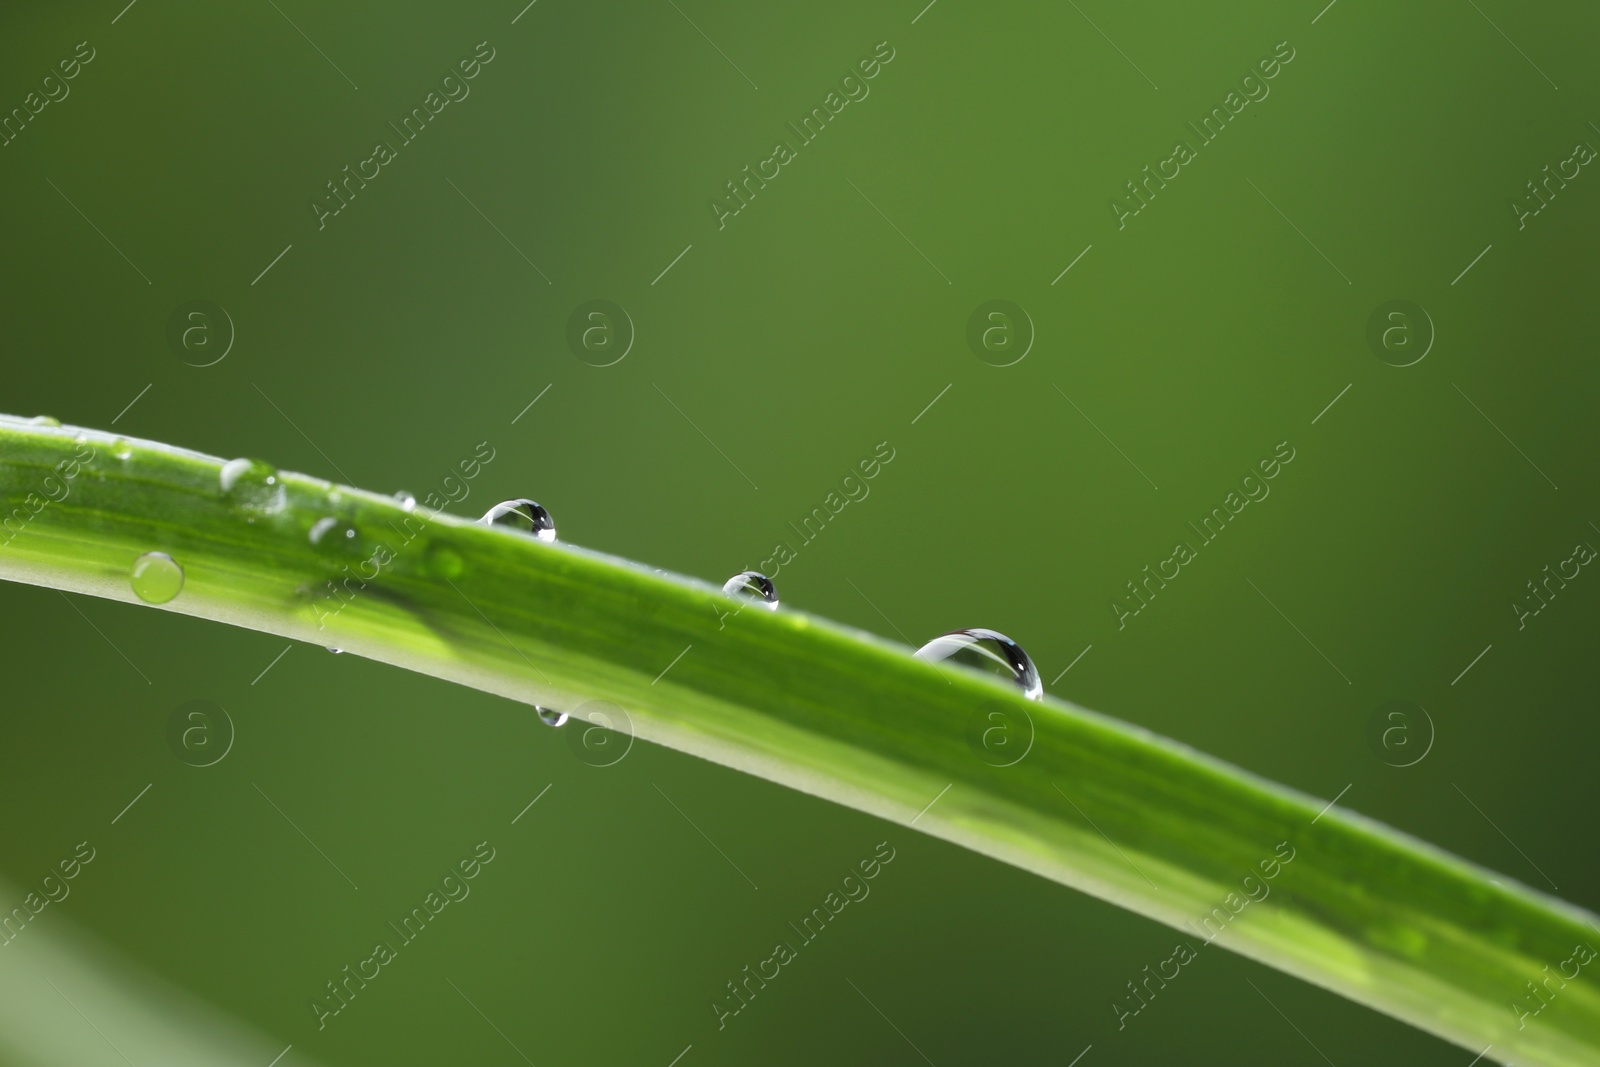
{"x":767,"y":359}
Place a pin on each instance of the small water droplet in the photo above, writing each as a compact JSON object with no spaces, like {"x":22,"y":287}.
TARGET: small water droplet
{"x":232,"y":471}
{"x":406,"y":501}
{"x":251,"y":486}
{"x":445,"y":561}
{"x":329,"y":532}
{"x":336,"y":651}
{"x":156,"y":577}
{"x":989,"y":651}
{"x":754,"y":585}
{"x":550,"y":717}
{"x":44,"y":420}
{"x":525,"y":516}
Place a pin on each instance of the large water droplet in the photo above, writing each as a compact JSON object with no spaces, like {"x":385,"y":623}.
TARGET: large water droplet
{"x":525,"y":516}
{"x":753,"y":585}
{"x":45,"y":420}
{"x":551,"y":717}
{"x":156,"y":577}
{"x":989,"y":651}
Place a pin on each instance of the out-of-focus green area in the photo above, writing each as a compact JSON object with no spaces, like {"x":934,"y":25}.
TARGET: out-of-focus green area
{"x":570,"y":154}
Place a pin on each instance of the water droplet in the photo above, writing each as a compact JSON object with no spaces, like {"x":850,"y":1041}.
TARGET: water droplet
{"x":445,"y":561}
{"x":156,"y":577}
{"x":232,"y":471}
{"x":525,"y":516}
{"x":336,"y":651}
{"x":252,"y":487}
{"x":329,"y":532}
{"x":754,"y":585}
{"x":44,"y":420}
{"x":406,"y":501}
{"x":989,"y":651}
{"x":550,"y":717}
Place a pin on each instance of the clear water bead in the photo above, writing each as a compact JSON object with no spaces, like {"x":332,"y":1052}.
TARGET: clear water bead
{"x":156,"y":578}
{"x":755,"y":585}
{"x":989,"y":651}
{"x":551,"y":717}
{"x":524,"y":516}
